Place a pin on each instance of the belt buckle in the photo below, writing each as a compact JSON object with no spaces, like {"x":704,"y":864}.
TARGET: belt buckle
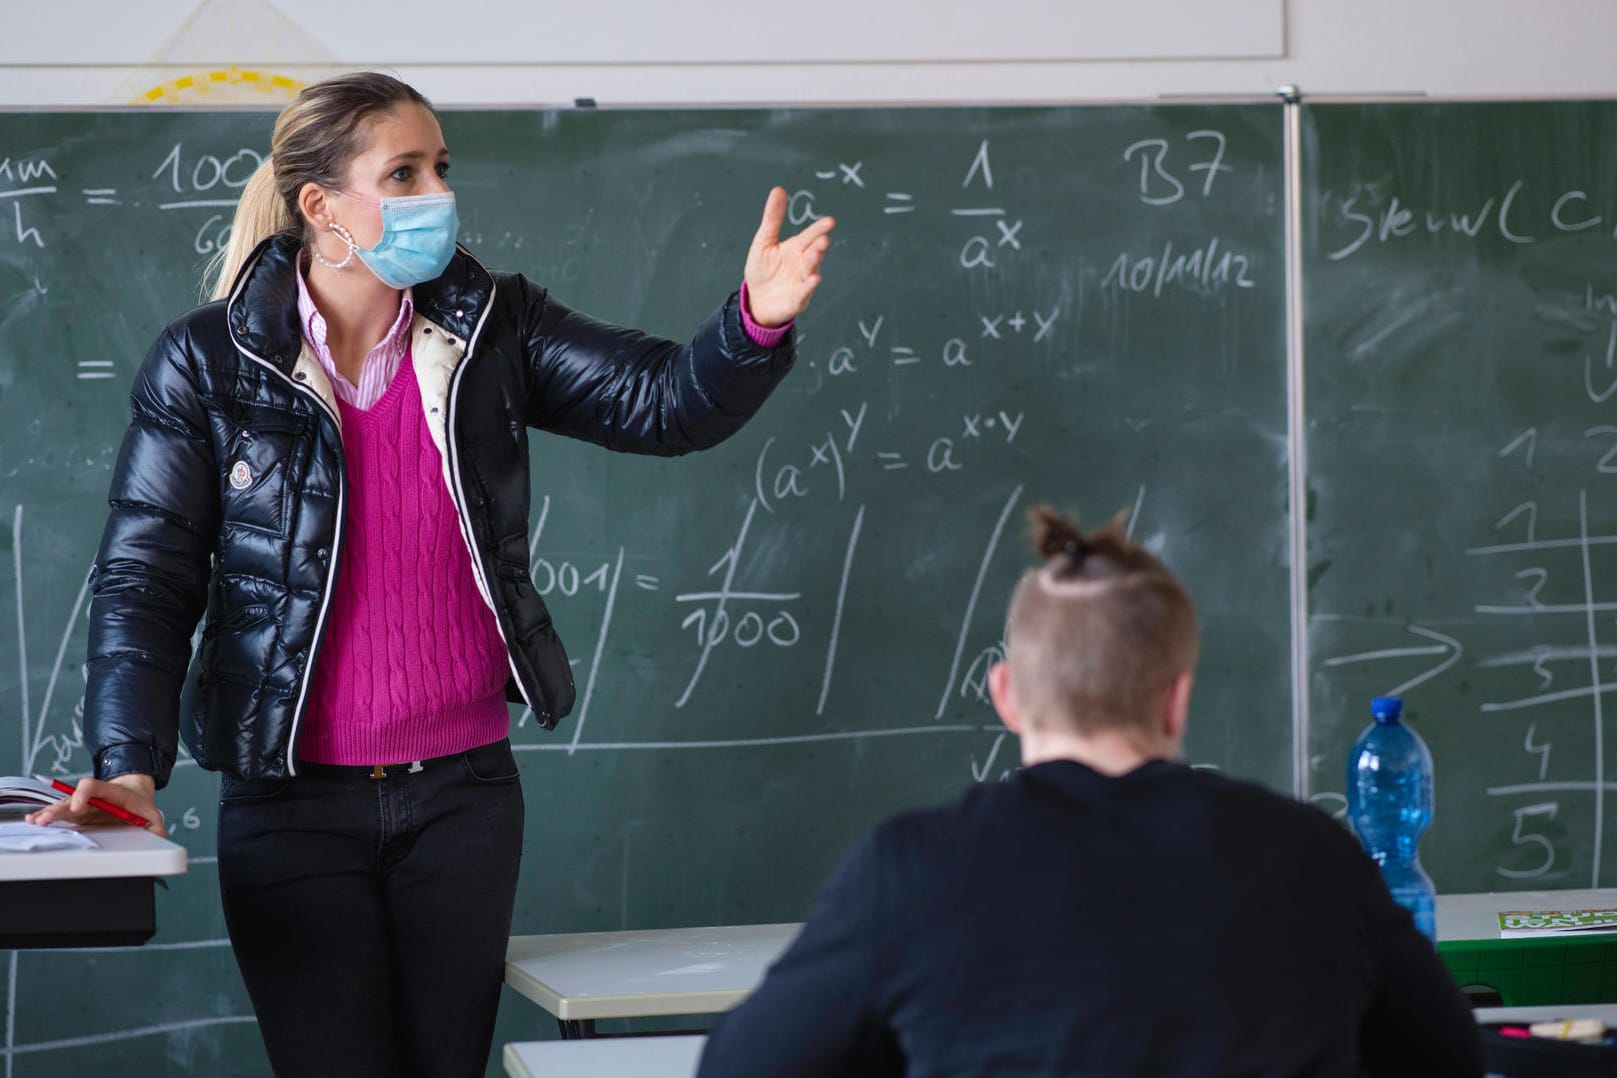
{"x":380,"y":772}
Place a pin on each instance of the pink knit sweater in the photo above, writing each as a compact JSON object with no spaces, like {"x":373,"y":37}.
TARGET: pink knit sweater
{"x":412,"y":664}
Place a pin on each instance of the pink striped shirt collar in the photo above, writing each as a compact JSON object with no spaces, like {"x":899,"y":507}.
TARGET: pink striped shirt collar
{"x":381,"y":362}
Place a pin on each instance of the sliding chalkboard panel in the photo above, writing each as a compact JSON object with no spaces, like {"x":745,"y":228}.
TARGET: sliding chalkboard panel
{"x":777,"y":642}
{"x":1461,"y":352}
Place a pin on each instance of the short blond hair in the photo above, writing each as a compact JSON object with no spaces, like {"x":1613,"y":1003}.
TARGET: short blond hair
{"x":1097,"y":632}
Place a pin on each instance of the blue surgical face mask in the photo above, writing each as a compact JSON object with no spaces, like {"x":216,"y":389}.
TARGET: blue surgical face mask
{"x":418,"y":238}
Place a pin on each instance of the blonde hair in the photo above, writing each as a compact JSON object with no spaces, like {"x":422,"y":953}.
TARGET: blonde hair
{"x":1097,"y":632}
{"x":316,"y":137}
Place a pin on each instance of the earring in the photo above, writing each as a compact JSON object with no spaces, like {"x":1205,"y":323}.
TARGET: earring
{"x":344,"y":235}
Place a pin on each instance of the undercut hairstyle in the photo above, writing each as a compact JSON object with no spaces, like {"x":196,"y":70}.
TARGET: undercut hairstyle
{"x":1098,"y":632}
{"x":316,"y":139}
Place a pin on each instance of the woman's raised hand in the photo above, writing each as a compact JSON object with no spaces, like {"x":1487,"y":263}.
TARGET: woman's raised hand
{"x":783,"y":274}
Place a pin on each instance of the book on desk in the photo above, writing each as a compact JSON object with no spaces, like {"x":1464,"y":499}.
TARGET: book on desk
{"x":1530,"y":924}
{"x":19,"y":792}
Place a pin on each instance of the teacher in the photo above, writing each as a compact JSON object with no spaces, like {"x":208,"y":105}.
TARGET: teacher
{"x":331,"y":461}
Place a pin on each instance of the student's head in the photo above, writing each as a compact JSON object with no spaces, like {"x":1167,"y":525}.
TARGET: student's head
{"x":341,"y":146}
{"x":1100,"y":639}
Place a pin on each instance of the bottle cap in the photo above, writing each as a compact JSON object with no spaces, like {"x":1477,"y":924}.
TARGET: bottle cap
{"x":1386,"y":708}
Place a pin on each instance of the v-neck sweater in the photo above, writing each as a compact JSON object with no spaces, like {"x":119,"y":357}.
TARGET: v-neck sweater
{"x":412,"y":665}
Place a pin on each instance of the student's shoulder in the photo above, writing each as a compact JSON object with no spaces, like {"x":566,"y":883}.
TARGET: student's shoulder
{"x":975,"y":808}
{"x":913,"y":827}
{"x":1275,"y":809}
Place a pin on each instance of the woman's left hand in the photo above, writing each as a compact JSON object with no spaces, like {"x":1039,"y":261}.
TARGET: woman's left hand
{"x":783,"y":274}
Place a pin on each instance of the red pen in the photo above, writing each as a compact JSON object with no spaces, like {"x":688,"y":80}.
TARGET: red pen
{"x":105,"y":806}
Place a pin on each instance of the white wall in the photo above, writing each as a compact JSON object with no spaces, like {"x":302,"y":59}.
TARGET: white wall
{"x":96,"y":52}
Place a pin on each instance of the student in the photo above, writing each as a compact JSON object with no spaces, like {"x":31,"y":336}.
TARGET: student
{"x":1105,"y":910}
{"x":331,"y":460}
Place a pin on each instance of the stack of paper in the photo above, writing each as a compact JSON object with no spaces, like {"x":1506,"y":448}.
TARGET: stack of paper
{"x":28,"y":837}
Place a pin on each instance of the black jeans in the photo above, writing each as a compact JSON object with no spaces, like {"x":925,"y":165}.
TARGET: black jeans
{"x":370,"y":916}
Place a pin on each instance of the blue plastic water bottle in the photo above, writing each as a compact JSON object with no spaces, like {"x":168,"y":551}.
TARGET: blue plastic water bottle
{"x":1389,"y":796}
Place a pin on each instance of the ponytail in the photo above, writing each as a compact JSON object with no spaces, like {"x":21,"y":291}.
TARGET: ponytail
{"x":1055,"y":534}
{"x":260,"y":214}
{"x":1071,"y":554}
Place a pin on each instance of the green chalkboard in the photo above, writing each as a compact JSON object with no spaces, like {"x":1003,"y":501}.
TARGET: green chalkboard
{"x":778,"y":642}
{"x":1461,"y":304}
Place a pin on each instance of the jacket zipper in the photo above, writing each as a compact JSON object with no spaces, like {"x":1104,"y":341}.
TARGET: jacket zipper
{"x":458,"y":492}
{"x":304,"y":678}
{"x":462,"y":513}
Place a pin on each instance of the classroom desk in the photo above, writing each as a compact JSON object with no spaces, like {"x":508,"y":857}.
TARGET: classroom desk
{"x":86,"y":898}
{"x":642,"y":1057}
{"x":1526,"y":1016}
{"x":1544,"y":970}
{"x":1531,"y":1059}
{"x":582,"y":976}
{"x":1476,"y":916}
{"x":677,"y":1057}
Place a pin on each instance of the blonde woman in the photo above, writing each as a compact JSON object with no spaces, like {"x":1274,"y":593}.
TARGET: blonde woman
{"x":330,"y":461}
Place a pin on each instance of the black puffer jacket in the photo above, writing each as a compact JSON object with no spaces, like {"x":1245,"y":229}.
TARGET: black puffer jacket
{"x":228,"y":494}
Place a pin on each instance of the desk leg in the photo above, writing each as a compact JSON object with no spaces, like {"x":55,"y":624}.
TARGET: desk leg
{"x":576,"y":1029}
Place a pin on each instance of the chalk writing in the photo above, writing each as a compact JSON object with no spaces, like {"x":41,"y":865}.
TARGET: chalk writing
{"x":1204,"y":270}
{"x":772,"y":483}
{"x":206,"y":173}
{"x":1016,"y":323}
{"x":1533,"y":841}
{"x":1447,"y":646}
{"x":46,"y":745}
{"x":1517,"y":214}
{"x":712,"y":621}
{"x":981,"y":774}
{"x":1159,"y":185}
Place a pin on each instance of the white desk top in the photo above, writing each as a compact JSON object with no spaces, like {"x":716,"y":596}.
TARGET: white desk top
{"x":644,"y":974}
{"x":1476,"y":916}
{"x":677,"y":1057}
{"x":657,"y":972}
{"x":1561,"y":1012}
{"x":121,"y":851}
{"x":611,"y":1057}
